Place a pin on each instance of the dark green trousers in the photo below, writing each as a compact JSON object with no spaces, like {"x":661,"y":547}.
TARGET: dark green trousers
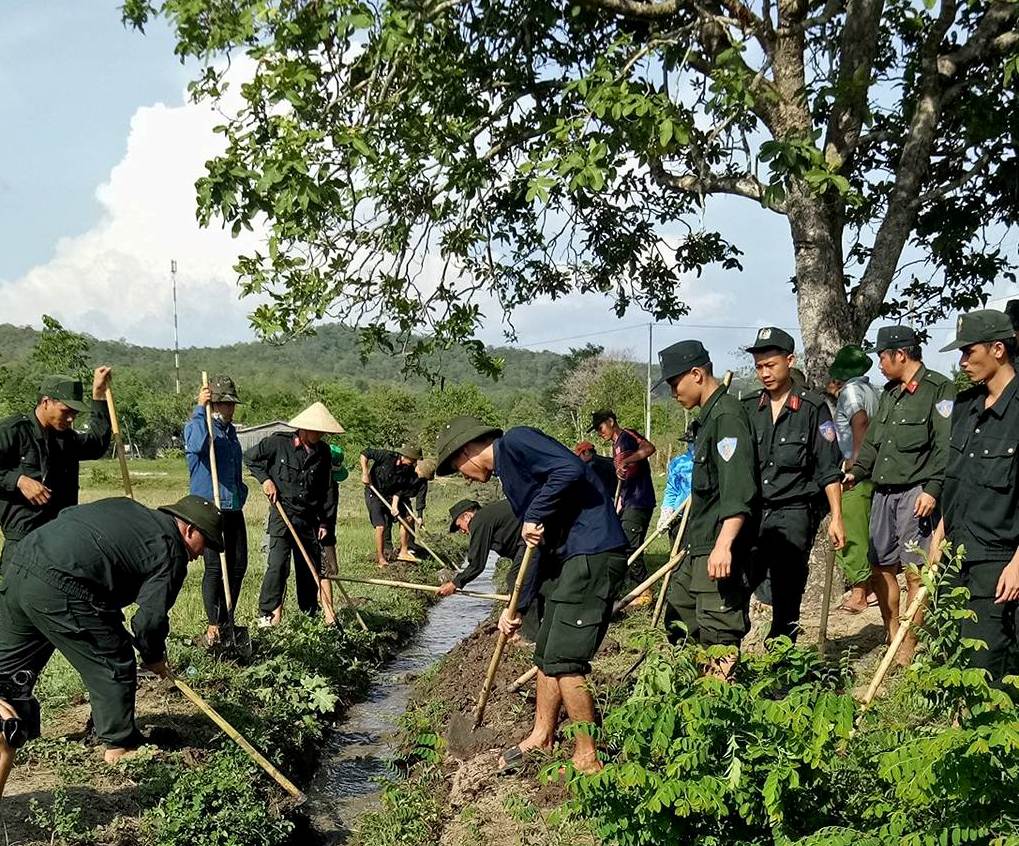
{"x":995,"y":625}
{"x":7,"y":553}
{"x":37,"y":618}
{"x":782,"y":556}
{"x":635,"y":525}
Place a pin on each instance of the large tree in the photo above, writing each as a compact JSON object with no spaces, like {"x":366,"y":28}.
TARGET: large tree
{"x":410,"y":157}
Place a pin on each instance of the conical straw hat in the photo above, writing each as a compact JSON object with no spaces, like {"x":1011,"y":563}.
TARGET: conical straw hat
{"x":316,"y":418}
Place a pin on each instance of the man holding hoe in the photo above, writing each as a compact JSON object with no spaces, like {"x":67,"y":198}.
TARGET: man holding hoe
{"x":40,"y":453}
{"x":64,"y":590}
{"x":392,"y":474}
{"x":566,"y":511}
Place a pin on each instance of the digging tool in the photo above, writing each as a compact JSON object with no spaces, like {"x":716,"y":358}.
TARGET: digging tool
{"x":619,"y":493}
{"x":118,"y":442}
{"x":498,"y":597}
{"x":651,"y":538}
{"x":224,"y":569}
{"x":660,"y":604}
{"x":500,"y":644}
{"x":829,"y":574}
{"x":394,"y":509}
{"x":620,"y":604}
{"x":239,"y":739}
{"x":314,"y":569}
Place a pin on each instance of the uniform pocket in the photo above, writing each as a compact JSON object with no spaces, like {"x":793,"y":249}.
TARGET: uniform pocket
{"x":575,"y":581}
{"x":701,"y":477}
{"x":911,"y":433}
{"x":791,"y":452}
{"x":997,"y":465}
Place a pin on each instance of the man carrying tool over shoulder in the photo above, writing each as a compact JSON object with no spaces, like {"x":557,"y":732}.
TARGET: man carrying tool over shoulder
{"x":565,"y":510}
{"x":492,"y":528}
{"x":709,"y":592}
{"x":64,"y":589}
{"x":905,"y":454}
{"x":233,"y":493}
{"x":630,"y":454}
{"x":40,"y":452}
{"x":981,"y":495}
{"x":798,"y":458}
{"x":392,"y":474}
{"x":295,"y":470}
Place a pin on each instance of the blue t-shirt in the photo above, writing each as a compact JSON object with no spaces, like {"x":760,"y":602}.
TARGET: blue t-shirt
{"x":546,"y":483}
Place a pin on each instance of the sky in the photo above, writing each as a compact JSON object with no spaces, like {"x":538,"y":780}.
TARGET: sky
{"x":99,"y":153}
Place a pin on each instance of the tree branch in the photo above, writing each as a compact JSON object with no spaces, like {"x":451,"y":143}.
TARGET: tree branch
{"x":989,"y":35}
{"x":636,"y":8}
{"x":740,"y":185}
{"x":978,"y":167}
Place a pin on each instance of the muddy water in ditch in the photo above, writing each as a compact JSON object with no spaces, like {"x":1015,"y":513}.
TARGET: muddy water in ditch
{"x":358,"y":752}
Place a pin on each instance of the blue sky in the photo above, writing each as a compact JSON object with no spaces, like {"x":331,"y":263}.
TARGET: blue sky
{"x":99,"y":154}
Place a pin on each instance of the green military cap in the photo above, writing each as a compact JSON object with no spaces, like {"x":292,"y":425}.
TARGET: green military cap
{"x":455,"y":435}
{"x":599,"y":417}
{"x":458,"y":510}
{"x":65,"y":389}
{"x":223,"y":389}
{"x":772,"y":338}
{"x":198,"y":512}
{"x":850,"y":361}
{"x":980,"y":327}
{"x":895,"y":338}
{"x":1012,"y":310}
{"x":681,"y":357}
{"x":411,"y":451}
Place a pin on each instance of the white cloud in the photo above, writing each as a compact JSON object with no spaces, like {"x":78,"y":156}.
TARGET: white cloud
{"x":113,"y":281}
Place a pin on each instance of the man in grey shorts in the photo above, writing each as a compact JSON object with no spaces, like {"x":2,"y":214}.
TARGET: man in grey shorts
{"x":905,"y":453}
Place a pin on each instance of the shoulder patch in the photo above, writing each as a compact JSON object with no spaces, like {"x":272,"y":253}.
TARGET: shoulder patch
{"x":827,"y":430}
{"x":727,"y":448}
{"x":944,"y":408}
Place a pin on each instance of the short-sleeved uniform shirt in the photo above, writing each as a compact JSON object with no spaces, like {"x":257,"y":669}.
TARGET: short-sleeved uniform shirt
{"x":981,"y":496}
{"x":797,"y":453}
{"x":724,"y":480}
{"x":907,"y":442}
{"x":857,"y":395}
{"x":639,"y":490}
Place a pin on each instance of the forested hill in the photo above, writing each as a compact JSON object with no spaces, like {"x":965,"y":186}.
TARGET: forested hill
{"x":329,"y":355}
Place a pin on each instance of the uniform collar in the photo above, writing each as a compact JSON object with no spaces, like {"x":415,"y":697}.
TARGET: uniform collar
{"x":911,"y":386}
{"x":793,"y":400}
{"x":712,"y":400}
{"x":1007,"y":395}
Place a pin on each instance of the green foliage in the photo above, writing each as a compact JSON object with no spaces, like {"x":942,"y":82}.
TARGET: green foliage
{"x":407,"y":815}
{"x":59,"y":350}
{"x":773,"y":757}
{"x":218,"y":804}
{"x":62,"y":821}
{"x":442,"y":405}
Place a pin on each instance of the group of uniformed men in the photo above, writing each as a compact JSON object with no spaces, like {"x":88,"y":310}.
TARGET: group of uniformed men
{"x":896,"y":473}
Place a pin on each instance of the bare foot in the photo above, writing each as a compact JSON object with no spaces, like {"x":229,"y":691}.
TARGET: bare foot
{"x":116,"y":754}
{"x":382,"y":563}
{"x":587,"y":766}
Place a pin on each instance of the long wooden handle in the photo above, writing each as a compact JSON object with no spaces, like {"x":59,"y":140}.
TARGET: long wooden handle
{"x":500,"y":644}
{"x":118,"y":442}
{"x":651,"y":538}
{"x":240,"y":740}
{"x":314,"y":569}
{"x":498,"y":597}
{"x":829,"y":575}
{"x":660,"y":573}
{"x":224,"y":569}
{"x":660,"y":604}
{"x":395,"y":511}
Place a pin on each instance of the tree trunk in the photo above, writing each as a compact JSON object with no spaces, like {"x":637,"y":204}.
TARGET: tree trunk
{"x":825,"y":319}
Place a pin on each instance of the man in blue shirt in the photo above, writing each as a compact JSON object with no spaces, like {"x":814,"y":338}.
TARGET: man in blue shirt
{"x":565,"y":510}
{"x":222,"y":393}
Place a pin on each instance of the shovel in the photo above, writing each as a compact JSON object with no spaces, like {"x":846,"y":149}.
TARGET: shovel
{"x":242,"y":648}
{"x":498,"y":597}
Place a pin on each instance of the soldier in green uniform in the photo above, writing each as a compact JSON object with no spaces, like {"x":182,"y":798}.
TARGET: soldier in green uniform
{"x":40,"y":452}
{"x":709,"y":593}
{"x":905,"y":454}
{"x":65,"y":587}
{"x":799,"y":460}
{"x":981,"y":495}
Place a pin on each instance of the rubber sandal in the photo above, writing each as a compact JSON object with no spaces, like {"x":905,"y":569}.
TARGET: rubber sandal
{"x":514,"y":758}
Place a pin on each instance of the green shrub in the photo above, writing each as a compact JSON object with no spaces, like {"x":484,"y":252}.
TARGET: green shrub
{"x":408,"y":815}
{"x":217,"y":805}
{"x":62,"y":821}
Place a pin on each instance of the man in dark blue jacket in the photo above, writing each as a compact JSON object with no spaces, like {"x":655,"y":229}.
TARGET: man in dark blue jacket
{"x":222,"y":394}
{"x":565,"y":510}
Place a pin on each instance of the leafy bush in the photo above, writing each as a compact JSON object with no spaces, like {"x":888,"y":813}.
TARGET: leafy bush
{"x":217,"y":805}
{"x":773,"y":756}
{"x":407,"y":815}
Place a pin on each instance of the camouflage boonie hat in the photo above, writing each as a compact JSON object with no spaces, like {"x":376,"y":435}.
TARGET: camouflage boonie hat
{"x":223,"y":389}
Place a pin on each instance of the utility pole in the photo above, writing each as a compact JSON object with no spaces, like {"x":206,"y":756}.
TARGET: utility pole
{"x":647,"y":414}
{"x":176,"y":344}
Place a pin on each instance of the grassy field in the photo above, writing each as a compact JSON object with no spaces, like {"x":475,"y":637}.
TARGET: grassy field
{"x":301,"y":676}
